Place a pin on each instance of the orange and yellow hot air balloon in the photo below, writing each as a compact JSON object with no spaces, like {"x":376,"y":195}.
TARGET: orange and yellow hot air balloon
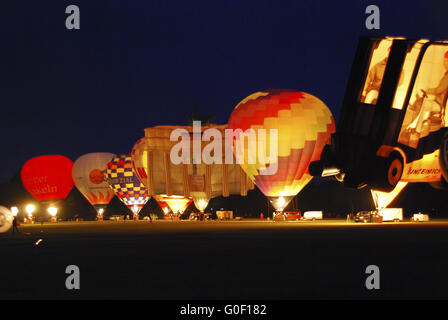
{"x":303,"y":124}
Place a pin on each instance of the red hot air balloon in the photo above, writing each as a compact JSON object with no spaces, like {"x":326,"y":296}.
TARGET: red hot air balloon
{"x":48,"y":177}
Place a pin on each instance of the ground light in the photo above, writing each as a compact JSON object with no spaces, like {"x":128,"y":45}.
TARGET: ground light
{"x":30,"y":209}
{"x":53,"y":211}
{"x":14,"y":211}
{"x":135,"y":210}
{"x":100,"y":214}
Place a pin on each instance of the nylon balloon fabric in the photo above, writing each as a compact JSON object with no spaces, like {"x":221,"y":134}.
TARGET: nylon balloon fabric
{"x":125,"y":183}
{"x":88,"y":175}
{"x":48,"y":177}
{"x":304,"y":125}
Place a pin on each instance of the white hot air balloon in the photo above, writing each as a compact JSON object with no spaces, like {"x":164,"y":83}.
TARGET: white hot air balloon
{"x":6,"y":219}
{"x":88,"y":175}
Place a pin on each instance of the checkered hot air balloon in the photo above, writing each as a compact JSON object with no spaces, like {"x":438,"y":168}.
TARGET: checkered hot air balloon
{"x":125,"y":183}
{"x":304,"y":125}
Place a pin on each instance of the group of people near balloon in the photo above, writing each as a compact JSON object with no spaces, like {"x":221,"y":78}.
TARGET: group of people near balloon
{"x":304,"y":125}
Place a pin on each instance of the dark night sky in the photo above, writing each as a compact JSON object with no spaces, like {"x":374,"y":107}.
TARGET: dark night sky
{"x":136,"y":64}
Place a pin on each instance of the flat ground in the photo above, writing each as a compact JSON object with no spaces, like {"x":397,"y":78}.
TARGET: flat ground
{"x":225,"y":260}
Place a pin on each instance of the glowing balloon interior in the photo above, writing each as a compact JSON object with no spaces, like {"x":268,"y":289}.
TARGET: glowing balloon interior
{"x":200,"y":200}
{"x":125,"y":183}
{"x":383,"y":199}
{"x":152,"y":164}
{"x":48,"y":177}
{"x":177,"y":204}
{"x":304,"y":125}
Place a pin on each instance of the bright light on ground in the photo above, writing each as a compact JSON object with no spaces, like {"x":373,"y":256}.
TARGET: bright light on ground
{"x":14,"y":211}
{"x":53,"y":211}
{"x":30,"y":209}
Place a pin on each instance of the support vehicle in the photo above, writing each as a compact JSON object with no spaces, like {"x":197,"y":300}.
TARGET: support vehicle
{"x":391,"y":214}
{"x":313,"y":215}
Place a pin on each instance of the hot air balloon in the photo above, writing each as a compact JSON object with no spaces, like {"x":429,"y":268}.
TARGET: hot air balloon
{"x":88,"y":175}
{"x":48,"y":178}
{"x":6,"y":218}
{"x":197,"y":180}
{"x":125,"y":183}
{"x":304,"y":125}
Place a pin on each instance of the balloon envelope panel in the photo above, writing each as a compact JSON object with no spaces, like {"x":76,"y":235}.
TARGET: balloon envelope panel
{"x":304,"y":125}
{"x":124,"y":182}
{"x":88,"y":175}
{"x":48,"y":177}
{"x":138,"y":157}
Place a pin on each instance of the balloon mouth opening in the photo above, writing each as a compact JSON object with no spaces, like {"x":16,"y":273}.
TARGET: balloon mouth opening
{"x":382,"y":199}
{"x":280,"y":202}
{"x":201,"y":205}
{"x":135,"y":209}
{"x":173,"y":205}
{"x":100,"y":209}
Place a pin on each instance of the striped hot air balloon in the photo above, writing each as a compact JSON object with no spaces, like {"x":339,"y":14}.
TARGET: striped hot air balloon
{"x":304,"y":125}
{"x":125,"y":183}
